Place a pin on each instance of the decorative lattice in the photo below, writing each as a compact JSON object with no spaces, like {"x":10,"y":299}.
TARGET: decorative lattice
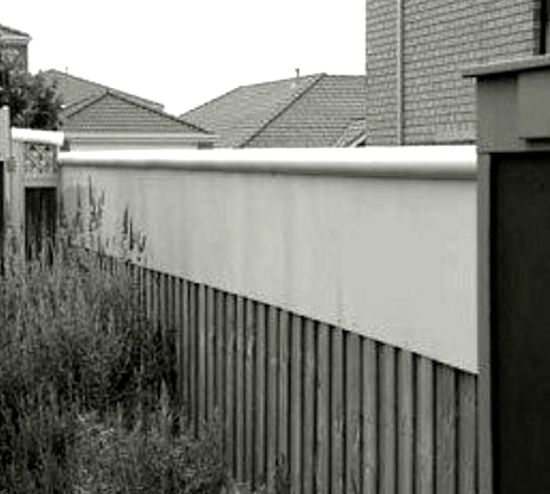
{"x":39,"y":160}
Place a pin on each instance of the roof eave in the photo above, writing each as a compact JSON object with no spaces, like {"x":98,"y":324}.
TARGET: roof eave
{"x":14,"y":32}
{"x":157,"y":138}
{"x":11,"y":39}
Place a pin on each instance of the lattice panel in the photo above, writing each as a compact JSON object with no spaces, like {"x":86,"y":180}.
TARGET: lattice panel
{"x":39,"y":160}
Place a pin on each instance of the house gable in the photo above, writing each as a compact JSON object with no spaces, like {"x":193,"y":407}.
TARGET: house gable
{"x":310,"y":111}
{"x":112,"y":112}
{"x":75,"y":89}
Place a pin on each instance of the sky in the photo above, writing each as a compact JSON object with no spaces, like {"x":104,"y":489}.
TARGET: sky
{"x":183,"y":53}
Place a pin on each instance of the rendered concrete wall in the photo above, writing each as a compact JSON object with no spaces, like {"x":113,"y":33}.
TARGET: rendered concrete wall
{"x":380,"y":241}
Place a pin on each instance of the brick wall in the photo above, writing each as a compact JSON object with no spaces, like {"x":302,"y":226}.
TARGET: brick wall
{"x":381,"y":71}
{"x":440,"y":38}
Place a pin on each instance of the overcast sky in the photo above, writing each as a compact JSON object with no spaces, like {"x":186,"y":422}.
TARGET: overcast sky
{"x":182,"y":52}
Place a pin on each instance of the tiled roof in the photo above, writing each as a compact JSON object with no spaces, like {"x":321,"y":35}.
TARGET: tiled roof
{"x":111,"y":112}
{"x":75,"y":89}
{"x":9,"y":31}
{"x":353,"y":133}
{"x":240,"y":113}
{"x":310,"y":111}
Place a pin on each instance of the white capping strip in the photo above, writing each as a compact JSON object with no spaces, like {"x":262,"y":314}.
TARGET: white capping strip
{"x":139,"y":137}
{"x":52,"y":137}
{"x":430,"y":162}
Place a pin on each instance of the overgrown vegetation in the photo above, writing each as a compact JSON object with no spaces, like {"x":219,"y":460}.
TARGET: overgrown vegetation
{"x":33,"y":101}
{"x":85,"y":402}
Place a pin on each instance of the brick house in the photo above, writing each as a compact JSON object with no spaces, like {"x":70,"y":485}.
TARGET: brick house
{"x":14,"y":46}
{"x":416,"y":52}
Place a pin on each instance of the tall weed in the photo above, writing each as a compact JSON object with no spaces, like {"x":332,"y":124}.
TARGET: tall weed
{"x":81,"y":373}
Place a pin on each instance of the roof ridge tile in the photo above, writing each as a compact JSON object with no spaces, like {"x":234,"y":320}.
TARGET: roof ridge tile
{"x":283,"y":107}
{"x":102,"y":87}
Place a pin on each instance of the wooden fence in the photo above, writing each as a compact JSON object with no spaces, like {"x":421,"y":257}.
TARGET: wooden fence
{"x":326,"y":410}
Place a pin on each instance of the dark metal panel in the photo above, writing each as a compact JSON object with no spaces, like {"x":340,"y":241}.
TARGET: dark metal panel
{"x":520,"y":329}
{"x":40,"y":217}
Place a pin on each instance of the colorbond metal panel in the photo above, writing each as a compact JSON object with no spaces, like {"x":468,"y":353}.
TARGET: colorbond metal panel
{"x":520,"y":367}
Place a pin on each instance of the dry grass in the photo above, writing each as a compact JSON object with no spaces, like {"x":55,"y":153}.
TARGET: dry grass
{"x":81,"y":372}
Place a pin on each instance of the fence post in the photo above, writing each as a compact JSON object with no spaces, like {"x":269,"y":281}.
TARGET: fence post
{"x":513,"y":121}
{"x":4,"y":154}
{"x":17,"y":191}
{"x":13,"y":191}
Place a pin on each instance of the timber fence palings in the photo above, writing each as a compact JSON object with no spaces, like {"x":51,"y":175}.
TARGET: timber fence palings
{"x":301,"y":402}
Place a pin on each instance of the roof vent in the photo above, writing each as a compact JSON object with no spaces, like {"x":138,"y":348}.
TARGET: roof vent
{"x":296,"y":80}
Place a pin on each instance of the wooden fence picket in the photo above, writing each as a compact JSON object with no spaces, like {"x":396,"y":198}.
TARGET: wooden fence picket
{"x":327,"y":410}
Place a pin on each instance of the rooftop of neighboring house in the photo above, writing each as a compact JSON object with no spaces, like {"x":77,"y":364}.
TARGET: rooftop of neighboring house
{"x":90,"y":107}
{"x":74,"y":89}
{"x":115,"y":112}
{"x":13,"y":34}
{"x":317,"y":110}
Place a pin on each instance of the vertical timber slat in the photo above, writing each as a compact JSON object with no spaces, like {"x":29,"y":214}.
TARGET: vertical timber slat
{"x":424,"y":443}
{"x":369,"y":420}
{"x":201,"y":347}
{"x":210,"y":353}
{"x":271,"y":391}
{"x":230,"y":308}
{"x":186,"y":326}
{"x":322,"y":453}
{"x":155,"y":300}
{"x":193,"y":356}
{"x":296,"y":396}
{"x":250,"y":336}
{"x":170,"y":329}
{"x":405,"y":423}
{"x":387,"y":433}
{"x":178,"y":329}
{"x":239,"y":388}
{"x":283,"y":386}
{"x":161,"y":309}
{"x":353,"y":430}
{"x":467,"y":424}
{"x":148,"y":294}
{"x":260,"y":395}
{"x":337,"y":411}
{"x":445,"y":430}
{"x":308,"y":408}
{"x":220,"y":358}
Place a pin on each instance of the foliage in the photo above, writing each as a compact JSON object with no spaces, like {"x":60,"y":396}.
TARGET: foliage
{"x":154,"y":456}
{"x":33,"y":101}
{"x":81,"y":372}
{"x":72,"y":339}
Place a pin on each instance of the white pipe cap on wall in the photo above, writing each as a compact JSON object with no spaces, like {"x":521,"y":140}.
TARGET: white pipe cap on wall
{"x":52,"y":137}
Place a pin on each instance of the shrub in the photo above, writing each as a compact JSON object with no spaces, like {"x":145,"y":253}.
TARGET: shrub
{"x":81,"y":371}
{"x":152,"y":457}
{"x":33,"y":101}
